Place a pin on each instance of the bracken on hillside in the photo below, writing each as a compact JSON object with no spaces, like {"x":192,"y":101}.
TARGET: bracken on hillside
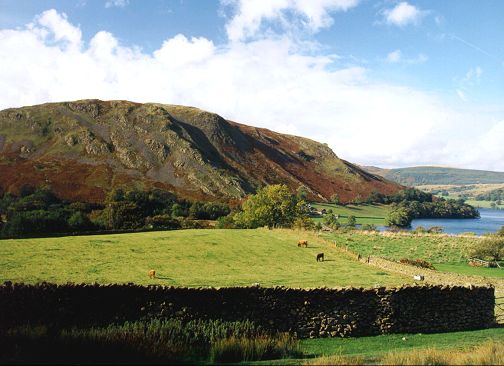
{"x":85,"y":148}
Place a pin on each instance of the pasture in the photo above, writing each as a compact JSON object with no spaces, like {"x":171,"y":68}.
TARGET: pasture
{"x":193,"y":258}
{"x":364,"y":214}
{"x":432,"y":248}
{"x":373,"y":348}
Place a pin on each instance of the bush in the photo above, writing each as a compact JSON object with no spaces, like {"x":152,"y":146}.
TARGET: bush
{"x":162,"y":222}
{"x":369,"y":227}
{"x":399,"y":217}
{"x":417,"y":263}
{"x":156,"y":341}
{"x":351,"y":221}
{"x":225,"y":222}
{"x":490,"y":248}
{"x":304,"y":223}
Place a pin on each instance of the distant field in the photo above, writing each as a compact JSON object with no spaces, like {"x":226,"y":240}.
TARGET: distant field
{"x":466,"y":269}
{"x":364,"y":214}
{"x":483,"y":204}
{"x":471,"y":190}
{"x":456,"y":189}
{"x":187,"y":258}
{"x":435,"y":248}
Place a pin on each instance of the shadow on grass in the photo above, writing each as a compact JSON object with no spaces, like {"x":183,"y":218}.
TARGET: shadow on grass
{"x":165,"y":278}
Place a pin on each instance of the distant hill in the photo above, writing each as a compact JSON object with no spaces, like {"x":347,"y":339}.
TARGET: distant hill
{"x":85,"y":148}
{"x":423,"y":175}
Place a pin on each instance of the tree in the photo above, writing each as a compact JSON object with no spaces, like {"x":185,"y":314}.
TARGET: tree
{"x":332,"y":221}
{"x":122,"y":215}
{"x":272,"y":206}
{"x":335,"y":199}
{"x":351,"y":221}
{"x":301,"y":193}
{"x":491,"y":248}
{"x":358,"y":200}
{"x":398,"y":216}
{"x":79,"y":221}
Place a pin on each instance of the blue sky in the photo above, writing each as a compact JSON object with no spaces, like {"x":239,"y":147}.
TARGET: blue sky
{"x":389,"y":83}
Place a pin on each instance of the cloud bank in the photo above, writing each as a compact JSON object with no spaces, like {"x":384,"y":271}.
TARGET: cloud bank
{"x":265,"y":81}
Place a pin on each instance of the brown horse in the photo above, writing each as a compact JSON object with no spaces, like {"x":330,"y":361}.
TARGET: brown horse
{"x":303,"y":243}
{"x":320,"y":257}
{"x":152,"y":274}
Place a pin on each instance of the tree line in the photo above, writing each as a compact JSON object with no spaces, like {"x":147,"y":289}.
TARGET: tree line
{"x":38,"y":211}
{"x":404,"y":212}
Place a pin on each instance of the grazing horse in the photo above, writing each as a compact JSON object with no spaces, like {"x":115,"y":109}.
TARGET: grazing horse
{"x":152,"y":274}
{"x":320,"y":257}
{"x":303,"y":243}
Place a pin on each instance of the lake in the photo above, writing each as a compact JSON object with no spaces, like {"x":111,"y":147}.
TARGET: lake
{"x":490,"y":221}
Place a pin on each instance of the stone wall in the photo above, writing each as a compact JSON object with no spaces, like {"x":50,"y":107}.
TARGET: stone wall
{"x":308,"y":313}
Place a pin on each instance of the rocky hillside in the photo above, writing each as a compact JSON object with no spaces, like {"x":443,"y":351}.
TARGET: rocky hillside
{"x":85,"y":148}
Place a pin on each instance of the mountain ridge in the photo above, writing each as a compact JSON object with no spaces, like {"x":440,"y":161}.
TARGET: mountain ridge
{"x":432,"y":175}
{"x":84,"y":148}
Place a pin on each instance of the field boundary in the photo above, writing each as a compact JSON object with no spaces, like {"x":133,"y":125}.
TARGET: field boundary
{"x":313,"y":313}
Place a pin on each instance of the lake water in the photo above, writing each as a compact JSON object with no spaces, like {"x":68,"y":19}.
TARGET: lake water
{"x":490,"y":221}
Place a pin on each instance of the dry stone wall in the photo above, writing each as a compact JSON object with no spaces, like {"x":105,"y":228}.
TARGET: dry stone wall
{"x":309,"y":313}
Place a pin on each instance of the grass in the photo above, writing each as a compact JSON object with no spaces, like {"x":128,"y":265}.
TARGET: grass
{"x":193,"y":258}
{"x":151,"y":342}
{"x":371,"y":348}
{"x":432,"y":248}
{"x":482,"y":204}
{"x":465,"y":269}
{"x":364,"y":214}
{"x":488,"y":353}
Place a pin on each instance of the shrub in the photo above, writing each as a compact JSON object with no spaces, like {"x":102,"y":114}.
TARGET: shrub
{"x":162,"y":222}
{"x":435,"y":230}
{"x":351,"y":221}
{"x":491,"y":248}
{"x":399,"y":217}
{"x":304,"y":223}
{"x":145,"y":342}
{"x":369,"y":227}
{"x":417,"y":263}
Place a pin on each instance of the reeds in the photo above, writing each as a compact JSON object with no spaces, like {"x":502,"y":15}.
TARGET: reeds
{"x":157,"y":341}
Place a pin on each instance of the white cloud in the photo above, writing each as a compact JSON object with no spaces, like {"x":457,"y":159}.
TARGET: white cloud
{"x":403,"y":14}
{"x":250,"y":16}
{"x":396,"y":57}
{"x":265,"y":82}
{"x":116,"y":3}
{"x":52,"y":23}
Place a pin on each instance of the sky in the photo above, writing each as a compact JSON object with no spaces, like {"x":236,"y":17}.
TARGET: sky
{"x":389,"y":83}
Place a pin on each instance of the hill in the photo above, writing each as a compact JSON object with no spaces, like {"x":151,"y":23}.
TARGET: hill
{"x":85,"y":148}
{"x":431,"y":175}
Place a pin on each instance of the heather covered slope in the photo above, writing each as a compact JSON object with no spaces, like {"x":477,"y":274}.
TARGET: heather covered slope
{"x":85,"y":148}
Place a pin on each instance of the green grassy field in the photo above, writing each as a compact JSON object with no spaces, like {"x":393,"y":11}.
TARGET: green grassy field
{"x":482,"y":204}
{"x":434,"y":248}
{"x":465,"y":269}
{"x":372,"y":347}
{"x":364,"y":214}
{"x":187,"y":258}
